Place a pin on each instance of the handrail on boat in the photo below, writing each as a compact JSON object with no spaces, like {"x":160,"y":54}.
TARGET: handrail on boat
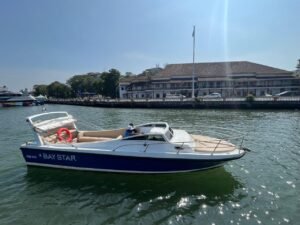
{"x":216,"y":147}
{"x":179,"y":146}
{"x":225,"y":134}
{"x":30,"y":118}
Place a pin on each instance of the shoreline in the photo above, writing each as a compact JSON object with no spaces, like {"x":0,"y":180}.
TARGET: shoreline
{"x":232,"y":103}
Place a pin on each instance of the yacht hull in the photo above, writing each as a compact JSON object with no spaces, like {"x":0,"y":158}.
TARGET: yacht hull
{"x":115,"y":163}
{"x":10,"y":104}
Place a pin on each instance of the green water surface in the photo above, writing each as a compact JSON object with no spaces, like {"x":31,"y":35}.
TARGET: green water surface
{"x":261,"y":188}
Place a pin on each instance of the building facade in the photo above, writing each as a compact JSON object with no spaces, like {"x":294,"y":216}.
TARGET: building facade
{"x":230,"y":79}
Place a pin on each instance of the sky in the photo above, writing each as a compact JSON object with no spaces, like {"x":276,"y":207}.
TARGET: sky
{"x":52,"y":40}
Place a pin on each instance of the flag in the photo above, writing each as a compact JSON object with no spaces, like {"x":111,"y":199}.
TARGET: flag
{"x":193,"y":34}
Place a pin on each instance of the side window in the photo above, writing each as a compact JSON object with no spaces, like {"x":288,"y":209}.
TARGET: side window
{"x":138,"y":137}
{"x":160,"y":125}
{"x":156,"y":138}
{"x":148,"y":125}
{"x":169,"y":134}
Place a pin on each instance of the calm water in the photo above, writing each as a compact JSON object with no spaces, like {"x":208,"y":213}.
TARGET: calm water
{"x":261,"y":188}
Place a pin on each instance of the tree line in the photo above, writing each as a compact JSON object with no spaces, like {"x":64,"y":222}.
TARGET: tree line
{"x":105,"y":84}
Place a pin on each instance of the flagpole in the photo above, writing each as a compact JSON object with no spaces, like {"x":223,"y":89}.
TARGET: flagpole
{"x":193,"y":84}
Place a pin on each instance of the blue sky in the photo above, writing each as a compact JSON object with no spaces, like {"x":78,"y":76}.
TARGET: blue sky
{"x":49,"y":40}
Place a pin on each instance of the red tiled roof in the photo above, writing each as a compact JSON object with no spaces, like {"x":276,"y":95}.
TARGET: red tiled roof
{"x":134,"y":78}
{"x":211,"y":69}
{"x":218,"y":69}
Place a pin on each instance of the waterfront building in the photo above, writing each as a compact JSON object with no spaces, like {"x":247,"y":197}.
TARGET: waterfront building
{"x":297,"y":71}
{"x":230,"y":79}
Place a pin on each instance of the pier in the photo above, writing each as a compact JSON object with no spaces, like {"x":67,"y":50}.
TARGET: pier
{"x":223,"y":103}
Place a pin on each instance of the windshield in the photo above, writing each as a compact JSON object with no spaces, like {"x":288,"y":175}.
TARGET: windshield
{"x":49,"y":116}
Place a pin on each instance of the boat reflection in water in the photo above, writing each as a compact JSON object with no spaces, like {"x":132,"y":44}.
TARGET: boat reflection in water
{"x":207,"y":187}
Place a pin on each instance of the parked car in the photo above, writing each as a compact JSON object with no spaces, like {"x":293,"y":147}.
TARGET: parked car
{"x":213,"y":95}
{"x":288,"y":94}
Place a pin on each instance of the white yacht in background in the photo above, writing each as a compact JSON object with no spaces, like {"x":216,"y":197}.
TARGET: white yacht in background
{"x":9,"y":98}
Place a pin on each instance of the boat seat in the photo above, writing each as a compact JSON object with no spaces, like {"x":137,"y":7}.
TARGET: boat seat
{"x":53,"y":130}
{"x":53,"y":137}
{"x":119,"y":137}
{"x":91,"y":139}
{"x":90,"y":136}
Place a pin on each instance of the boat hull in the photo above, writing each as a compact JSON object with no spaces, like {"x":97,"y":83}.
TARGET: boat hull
{"x":114,"y":163}
{"x":13,"y":103}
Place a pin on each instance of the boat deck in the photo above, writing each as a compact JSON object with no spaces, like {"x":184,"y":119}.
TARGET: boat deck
{"x":210,"y":144}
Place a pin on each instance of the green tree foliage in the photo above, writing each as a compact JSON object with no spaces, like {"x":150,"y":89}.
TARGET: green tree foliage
{"x":90,"y":82}
{"x":105,"y":84}
{"x":59,"y":90}
{"x":40,"y":90}
{"x":129,"y":74}
{"x":250,"y":98}
{"x":110,"y":83}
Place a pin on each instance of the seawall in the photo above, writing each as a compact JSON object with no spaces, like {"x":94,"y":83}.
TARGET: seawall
{"x":233,"y":103}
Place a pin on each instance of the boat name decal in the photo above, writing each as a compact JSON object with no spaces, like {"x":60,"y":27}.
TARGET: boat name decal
{"x":59,"y":157}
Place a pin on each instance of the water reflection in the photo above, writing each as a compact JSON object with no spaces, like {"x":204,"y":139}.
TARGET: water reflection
{"x":262,"y":187}
{"x":211,"y":186}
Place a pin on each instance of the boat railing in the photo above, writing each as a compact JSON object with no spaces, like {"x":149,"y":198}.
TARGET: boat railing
{"x":180,"y":146}
{"x":216,"y":145}
{"x":221,"y":135}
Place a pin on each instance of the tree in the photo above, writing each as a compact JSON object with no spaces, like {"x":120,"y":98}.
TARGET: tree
{"x":105,"y":83}
{"x":90,"y":82}
{"x":40,"y":90}
{"x":59,"y":90}
{"x":129,"y":74}
{"x":76,"y":83}
{"x":111,"y":83}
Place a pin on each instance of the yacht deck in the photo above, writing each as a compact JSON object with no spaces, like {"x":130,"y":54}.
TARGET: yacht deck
{"x":210,"y":144}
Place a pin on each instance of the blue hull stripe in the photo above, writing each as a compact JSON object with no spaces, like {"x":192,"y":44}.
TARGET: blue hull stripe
{"x":113,"y":162}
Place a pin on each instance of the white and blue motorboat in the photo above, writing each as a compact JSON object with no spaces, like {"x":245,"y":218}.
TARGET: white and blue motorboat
{"x":146,"y":148}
